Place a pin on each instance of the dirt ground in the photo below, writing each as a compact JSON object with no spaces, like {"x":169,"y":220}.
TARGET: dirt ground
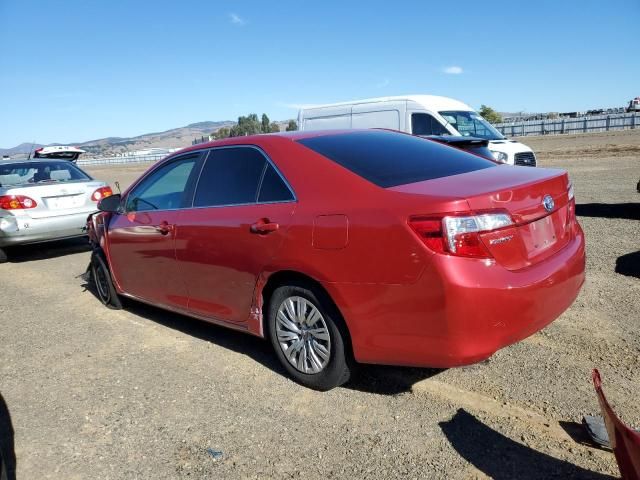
{"x":142,"y":393}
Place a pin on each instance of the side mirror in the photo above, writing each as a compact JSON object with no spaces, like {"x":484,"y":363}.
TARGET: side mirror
{"x":110,"y":203}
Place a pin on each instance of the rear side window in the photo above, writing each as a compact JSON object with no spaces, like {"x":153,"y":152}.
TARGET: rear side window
{"x":239,"y":176}
{"x":388,"y":159}
{"x":230,"y":177}
{"x":425,"y":124}
{"x":273,"y":188}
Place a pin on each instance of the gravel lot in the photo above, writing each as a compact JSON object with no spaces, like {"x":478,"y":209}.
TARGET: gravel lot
{"x":141,"y":393}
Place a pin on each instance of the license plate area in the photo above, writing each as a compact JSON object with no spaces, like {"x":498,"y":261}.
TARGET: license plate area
{"x":540,"y":236}
{"x":64,"y":202}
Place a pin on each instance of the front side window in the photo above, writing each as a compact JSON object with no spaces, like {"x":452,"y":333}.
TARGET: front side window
{"x":164,"y":189}
{"x":471,"y":124}
{"x":239,"y":176}
{"x":425,"y":124}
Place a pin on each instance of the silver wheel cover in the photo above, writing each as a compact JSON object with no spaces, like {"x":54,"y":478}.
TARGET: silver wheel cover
{"x":303,"y":335}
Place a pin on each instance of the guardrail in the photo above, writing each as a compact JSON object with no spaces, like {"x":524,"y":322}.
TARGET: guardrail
{"x":558,"y":126}
{"x":121,"y":160}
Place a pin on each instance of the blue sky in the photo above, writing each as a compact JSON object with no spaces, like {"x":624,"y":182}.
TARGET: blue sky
{"x":77,"y":70}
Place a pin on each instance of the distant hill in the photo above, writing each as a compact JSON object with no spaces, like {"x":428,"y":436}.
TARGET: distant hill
{"x":174,"y":138}
{"x":23,"y":148}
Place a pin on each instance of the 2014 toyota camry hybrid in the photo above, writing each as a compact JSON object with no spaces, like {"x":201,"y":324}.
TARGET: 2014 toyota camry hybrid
{"x":346,"y":247}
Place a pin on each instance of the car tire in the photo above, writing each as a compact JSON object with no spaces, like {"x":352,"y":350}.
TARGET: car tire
{"x":3,"y":256}
{"x":316,"y":355}
{"x":103,"y":283}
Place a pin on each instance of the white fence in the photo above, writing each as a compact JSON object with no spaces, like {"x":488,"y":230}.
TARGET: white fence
{"x":121,"y":160}
{"x":557,"y":126}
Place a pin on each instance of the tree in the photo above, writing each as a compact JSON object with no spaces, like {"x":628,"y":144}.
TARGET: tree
{"x":490,"y":115}
{"x":265,"y":124}
{"x":249,"y":125}
{"x":292,"y":126}
{"x":223,"y":132}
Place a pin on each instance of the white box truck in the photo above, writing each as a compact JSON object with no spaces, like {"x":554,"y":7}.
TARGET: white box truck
{"x":418,"y":115}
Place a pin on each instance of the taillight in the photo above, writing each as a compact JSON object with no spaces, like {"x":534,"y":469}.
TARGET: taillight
{"x":570,"y":192}
{"x":101,"y":193}
{"x":458,"y":234}
{"x":429,"y":230}
{"x":16,"y":202}
{"x":571,"y":204}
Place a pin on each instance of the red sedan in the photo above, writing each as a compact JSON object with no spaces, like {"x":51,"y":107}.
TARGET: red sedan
{"x":344,"y":247}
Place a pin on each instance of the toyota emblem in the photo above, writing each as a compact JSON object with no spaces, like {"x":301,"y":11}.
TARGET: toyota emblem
{"x":548,"y":203}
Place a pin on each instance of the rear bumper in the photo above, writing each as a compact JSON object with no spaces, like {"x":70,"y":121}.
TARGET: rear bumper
{"x":461,"y":311}
{"x":18,"y":230}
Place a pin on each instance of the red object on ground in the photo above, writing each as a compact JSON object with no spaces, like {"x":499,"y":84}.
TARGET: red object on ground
{"x":624,"y":441}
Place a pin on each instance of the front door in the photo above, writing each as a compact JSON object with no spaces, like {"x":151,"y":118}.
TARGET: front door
{"x":142,"y":238}
{"x":241,"y":211}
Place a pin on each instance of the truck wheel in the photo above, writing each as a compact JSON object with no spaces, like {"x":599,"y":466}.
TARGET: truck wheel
{"x":101,"y":277}
{"x":3,"y":256}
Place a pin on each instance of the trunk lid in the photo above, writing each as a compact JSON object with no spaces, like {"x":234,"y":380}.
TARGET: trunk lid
{"x":57,"y":198}
{"x":538,"y":231}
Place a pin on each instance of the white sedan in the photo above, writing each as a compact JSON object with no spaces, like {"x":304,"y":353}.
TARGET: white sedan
{"x":43,"y":200}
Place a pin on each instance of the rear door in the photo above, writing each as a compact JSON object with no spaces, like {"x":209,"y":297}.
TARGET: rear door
{"x":142,"y":238}
{"x":241,"y":211}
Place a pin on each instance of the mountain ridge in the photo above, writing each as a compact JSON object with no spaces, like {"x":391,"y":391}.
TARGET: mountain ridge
{"x":172,"y":138}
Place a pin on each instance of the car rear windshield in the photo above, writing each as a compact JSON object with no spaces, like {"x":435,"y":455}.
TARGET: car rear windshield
{"x":389,"y":159}
{"x":37,"y":172}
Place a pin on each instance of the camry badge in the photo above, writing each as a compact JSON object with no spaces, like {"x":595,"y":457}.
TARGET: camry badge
{"x":548,"y":203}
{"x":498,"y":241}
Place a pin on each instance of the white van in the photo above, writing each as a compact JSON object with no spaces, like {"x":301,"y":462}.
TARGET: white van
{"x":418,"y":115}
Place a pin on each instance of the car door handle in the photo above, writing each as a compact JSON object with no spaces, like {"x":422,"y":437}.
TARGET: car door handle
{"x":164,"y":228}
{"x":264,"y":226}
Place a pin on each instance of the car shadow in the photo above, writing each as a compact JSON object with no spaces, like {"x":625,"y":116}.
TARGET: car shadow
{"x":7,"y":444}
{"x":256,"y":348}
{"x":629,"y":264}
{"x":389,"y":380}
{"x":501,"y":458}
{"x":44,"y":251}
{"x":628,"y":211}
{"x":378,"y":379}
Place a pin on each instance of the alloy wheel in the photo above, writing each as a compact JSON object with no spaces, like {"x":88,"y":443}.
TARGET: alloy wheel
{"x":303,"y":335}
